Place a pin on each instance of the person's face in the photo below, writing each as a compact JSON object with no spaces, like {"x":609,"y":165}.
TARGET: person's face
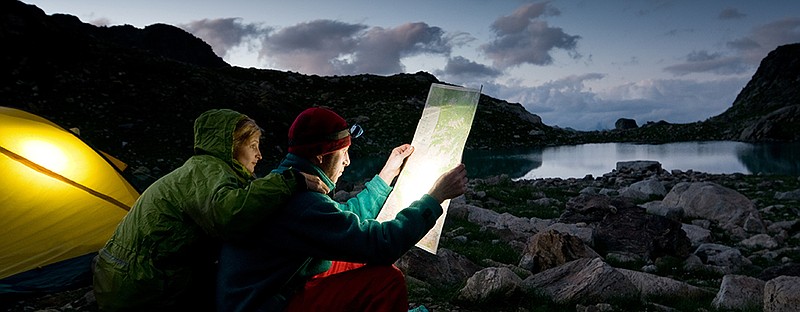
{"x":333,"y":164}
{"x":248,"y":153}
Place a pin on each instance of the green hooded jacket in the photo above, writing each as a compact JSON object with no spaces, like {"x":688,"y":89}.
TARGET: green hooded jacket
{"x":163,"y":252}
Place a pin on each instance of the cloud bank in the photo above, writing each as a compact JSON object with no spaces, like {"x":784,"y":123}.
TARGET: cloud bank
{"x":524,"y":37}
{"x":568,"y":103}
{"x":745,"y":53}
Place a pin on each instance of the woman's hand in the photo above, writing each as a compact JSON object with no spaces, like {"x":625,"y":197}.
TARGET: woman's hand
{"x":450,"y":184}
{"x":395,"y":162}
{"x":313,"y":183}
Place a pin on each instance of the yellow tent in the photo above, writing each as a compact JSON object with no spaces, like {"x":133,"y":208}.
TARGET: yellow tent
{"x":59,"y":198}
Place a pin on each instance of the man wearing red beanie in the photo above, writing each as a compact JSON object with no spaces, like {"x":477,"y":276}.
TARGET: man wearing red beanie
{"x":317,"y":254}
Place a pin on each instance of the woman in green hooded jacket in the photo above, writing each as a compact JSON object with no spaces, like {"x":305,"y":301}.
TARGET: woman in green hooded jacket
{"x":163,"y":253}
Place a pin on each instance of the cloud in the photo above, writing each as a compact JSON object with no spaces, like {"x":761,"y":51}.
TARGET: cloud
{"x":765,"y":38}
{"x":703,"y":61}
{"x":568,"y":103}
{"x":316,"y":47}
{"x":524,"y":38}
{"x":380,"y":50}
{"x":101,"y":21}
{"x":223,"y":34}
{"x":747,"y":52}
{"x":328,"y":47}
{"x":460,"y":70}
{"x":730,"y":14}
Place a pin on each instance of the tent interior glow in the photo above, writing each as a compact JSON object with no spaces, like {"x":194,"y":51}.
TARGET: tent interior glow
{"x":45,"y":154}
{"x":60,"y":198}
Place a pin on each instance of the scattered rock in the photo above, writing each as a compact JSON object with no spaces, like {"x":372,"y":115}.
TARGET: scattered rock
{"x":782,"y":294}
{"x":581,"y":281}
{"x":740,"y":293}
{"x":490,"y":284}
{"x":550,"y":249}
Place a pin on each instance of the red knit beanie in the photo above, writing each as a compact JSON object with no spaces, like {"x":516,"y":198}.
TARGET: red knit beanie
{"x":318,"y":131}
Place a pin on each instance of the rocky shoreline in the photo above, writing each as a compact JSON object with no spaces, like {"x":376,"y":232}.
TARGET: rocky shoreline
{"x":637,"y":238}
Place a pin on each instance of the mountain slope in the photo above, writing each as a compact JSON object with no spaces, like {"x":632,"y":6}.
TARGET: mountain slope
{"x":134,"y":93}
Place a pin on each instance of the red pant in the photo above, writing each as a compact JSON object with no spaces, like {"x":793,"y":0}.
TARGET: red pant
{"x":353,"y":287}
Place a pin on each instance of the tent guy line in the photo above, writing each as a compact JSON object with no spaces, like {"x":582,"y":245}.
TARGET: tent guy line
{"x":62,"y":178}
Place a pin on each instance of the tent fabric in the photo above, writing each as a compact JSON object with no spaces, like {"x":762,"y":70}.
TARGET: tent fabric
{"x":60,"y":198}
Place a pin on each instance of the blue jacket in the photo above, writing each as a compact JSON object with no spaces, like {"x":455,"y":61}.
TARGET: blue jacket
{"x":301,"y":240}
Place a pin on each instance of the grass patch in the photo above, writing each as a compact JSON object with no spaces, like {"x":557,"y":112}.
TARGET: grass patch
{"x":516,"y":198}
{"x":480,"y":244}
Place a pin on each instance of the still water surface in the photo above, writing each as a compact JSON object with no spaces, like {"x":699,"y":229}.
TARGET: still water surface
{"x":578,"y":161}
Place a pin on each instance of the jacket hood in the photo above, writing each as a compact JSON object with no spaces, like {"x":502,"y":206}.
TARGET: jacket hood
{"x":213,"y":135}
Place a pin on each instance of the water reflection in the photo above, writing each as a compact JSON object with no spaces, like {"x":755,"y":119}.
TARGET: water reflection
{"x":596,"y":159}
{"x":772,"y":158}
{"x":577,"y":161}
{"x":514,"y":163}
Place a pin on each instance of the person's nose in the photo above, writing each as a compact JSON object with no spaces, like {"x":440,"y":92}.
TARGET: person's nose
{"x":347,"y":159}
{"x":258,"y":154}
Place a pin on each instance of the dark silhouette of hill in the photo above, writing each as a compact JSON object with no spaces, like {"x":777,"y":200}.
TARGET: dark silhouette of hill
{"x":135,"y":93}
{"x":768,"y":108}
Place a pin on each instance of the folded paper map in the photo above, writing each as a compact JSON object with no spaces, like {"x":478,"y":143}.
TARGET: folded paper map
{"x":438,"y":146}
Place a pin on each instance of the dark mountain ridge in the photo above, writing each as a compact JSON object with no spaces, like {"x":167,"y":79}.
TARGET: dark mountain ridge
{"x":135,"y":93}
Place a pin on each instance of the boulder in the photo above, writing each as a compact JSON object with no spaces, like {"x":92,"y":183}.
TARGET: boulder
{"x":657,"y":207}
{"x":724,"y":259}
{"x":782,"y":294}
{"x":445,"y":268}
{"x":649,"y":187}
{"x":708,"y":200}
{"x":696,"y":234}
{"x":581,"y":281}
{"x":622,"y":228}
{"x":489,"y":284}
{"x":581,"y":230}
{"x":759,"y":241}
{"x":790,"y":195}
{"x":651,"y":285}
{"x":789,"y":269}
{"x":639,"y":166}
{"x":523,"y":225}
{"x":550,"y":249}
{"x":740,"y":293}
{"x":625,"y":123}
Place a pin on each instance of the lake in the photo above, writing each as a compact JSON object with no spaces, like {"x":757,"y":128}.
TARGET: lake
{"x":576,"y":161}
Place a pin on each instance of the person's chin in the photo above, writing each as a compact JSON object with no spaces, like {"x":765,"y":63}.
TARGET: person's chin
{"x":336,"y":177}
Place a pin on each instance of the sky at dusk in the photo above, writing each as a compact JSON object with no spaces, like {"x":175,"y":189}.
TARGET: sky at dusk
{"x":577,"y":64}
